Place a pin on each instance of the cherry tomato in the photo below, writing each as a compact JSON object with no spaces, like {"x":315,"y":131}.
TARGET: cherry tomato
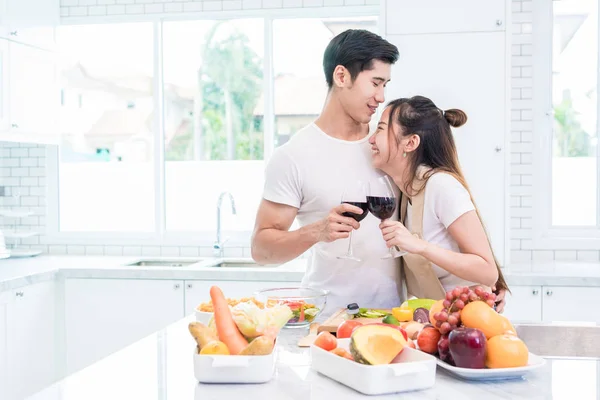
{"x":326,"y":341}
{"x":346,"y":328}
{"x":342,"y":353}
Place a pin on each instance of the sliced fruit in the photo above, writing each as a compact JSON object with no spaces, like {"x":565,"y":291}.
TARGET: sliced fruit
{"x":390,"y":319}
{"x":402,"y":314}
{"x":376,"y":344}
{"x":413,"y":304}
{"x":421,"y":315}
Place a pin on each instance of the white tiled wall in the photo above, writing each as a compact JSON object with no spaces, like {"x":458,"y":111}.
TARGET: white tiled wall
{"x":83,"y":8}
{"x":22,"y":165}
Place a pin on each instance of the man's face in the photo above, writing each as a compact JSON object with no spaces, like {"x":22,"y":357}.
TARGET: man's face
{"x":361,"y":98}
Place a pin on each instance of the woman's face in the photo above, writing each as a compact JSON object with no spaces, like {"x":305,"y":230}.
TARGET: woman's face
{"x":383,"y":151}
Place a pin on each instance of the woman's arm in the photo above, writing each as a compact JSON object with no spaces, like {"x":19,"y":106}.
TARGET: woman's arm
{"x":475,"y":261}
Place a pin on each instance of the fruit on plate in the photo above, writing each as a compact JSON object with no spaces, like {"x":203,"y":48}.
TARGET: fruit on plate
{"x":376,"y":344}
{"x":456,"y":300}
{"x":402,"y":314}
{"x":483,"y":317}
{"x":391,"y":320}
{"x":444,"y":350}
{"x":428,"y":339}
{"x":434,"y":309}
{"x":506,"y":351}
{"x":413,"y":328}
{"x":326,"y":341}
{"x":342,"y":353}
{"x":413,"y":304}
{"x":468,"y":347}
{"x":345,"y":329}
{"x":421,"y":315}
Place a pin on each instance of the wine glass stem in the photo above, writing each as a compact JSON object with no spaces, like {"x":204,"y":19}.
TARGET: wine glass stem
{"x":350,"y":245}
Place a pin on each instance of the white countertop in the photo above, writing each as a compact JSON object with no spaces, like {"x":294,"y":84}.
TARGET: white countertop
{"x":15,"y":273}
{"x":160,"y":367}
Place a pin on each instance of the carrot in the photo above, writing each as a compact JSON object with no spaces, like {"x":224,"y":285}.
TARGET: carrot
{"x":226,"y":328}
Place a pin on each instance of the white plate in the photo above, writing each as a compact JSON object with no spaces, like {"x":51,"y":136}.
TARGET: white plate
{"x":411,"y":370}
{"x":486,"y":374}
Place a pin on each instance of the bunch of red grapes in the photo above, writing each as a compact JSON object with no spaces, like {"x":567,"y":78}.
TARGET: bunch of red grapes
{"x":449,"y":318}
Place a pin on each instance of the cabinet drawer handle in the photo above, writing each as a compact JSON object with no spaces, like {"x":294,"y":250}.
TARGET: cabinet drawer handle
{"x":549,"y":293}
{"x":535,"y":292}
{"x":20,"y":294}
{"x":15,"y":126}
{"x":499,"y":22}
{"x":14,"y":33}
{"x":176,"y":286}
{"x":189,"y":286}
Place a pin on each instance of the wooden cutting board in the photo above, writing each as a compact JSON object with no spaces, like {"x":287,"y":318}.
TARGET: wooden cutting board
{"x":332,"y":323}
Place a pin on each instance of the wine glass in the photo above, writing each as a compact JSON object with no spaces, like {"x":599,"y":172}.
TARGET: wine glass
{"x":382,"y":202}
{"x":354,"y":194}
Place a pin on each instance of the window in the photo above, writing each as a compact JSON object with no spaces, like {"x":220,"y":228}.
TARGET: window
{"x":575,"y":150}
{"x":136,"y":159}
{"x":106,"y":159}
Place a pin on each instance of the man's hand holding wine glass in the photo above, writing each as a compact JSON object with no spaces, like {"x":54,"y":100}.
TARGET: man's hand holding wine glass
{"x":337,"y":226}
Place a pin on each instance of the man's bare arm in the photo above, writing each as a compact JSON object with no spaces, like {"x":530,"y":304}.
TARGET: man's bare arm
{"x":273,"y":242}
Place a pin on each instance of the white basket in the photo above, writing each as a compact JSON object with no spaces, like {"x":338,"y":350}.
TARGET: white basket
{"x":411,"y":370}
{"x":203,"y":316}
{"x":233,"y":369}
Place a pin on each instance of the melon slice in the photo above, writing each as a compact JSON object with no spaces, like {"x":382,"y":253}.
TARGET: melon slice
{"x":376,"y":344}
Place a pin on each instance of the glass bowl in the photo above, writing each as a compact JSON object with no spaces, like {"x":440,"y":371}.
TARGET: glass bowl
{"x":306,"y":303}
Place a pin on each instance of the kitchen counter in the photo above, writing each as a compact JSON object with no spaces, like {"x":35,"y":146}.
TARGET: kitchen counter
{"x":15,"y":273}
{"x":160,"y":367}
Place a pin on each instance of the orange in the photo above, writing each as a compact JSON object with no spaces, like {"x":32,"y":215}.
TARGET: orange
{"x":479,"y":315}
{"x":434,"y":309}
{"x":506,"y":351}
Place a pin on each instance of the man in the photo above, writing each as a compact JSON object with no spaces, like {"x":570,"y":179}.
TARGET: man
{"x":306,"y":177}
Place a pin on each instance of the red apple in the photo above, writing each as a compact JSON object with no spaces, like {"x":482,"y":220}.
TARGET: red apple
{"x":467,"y":347}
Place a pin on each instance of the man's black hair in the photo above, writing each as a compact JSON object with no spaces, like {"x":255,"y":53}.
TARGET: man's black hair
{"x":356,"y":49}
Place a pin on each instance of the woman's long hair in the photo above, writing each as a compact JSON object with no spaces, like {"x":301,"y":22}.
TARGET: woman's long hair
{"x":418,"y":115}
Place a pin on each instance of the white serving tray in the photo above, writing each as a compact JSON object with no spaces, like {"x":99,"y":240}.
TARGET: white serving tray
{"x":490,"y":374}
{"x":233,"y":369}
{"x":411,"y":370}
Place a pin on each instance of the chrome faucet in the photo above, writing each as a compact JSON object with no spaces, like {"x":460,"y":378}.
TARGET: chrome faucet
{"x":218,"y":246}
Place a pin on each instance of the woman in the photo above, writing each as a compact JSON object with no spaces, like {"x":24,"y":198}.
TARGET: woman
{"x":441,"y":228}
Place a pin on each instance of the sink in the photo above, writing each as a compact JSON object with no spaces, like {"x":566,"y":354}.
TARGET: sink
{"x":165,"y":262}
{"x":242,"y":263}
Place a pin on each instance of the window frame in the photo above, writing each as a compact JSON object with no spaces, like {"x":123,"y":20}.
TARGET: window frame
{"x":546,"y":235}
{"x":160,"y":236}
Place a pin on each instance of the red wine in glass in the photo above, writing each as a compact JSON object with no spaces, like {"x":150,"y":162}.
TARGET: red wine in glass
{"x":354,"y":194}
{"x":360,"y":204}
{"x":382,"y":202}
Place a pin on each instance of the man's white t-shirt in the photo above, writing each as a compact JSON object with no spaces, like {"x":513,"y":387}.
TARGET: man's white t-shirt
{"x":310,"y":173}
{"x":445,"y":200}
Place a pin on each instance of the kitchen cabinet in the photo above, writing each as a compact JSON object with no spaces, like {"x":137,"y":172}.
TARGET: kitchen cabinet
{"x":524,"y":304}
{"x":573,"y":304}
{"x":466,"y":71}
{"x":31,"y":341}
{"x":30,"y":22}
{"x":442,"y":16}
{"x":4,"y":326}
{"x":105,"y":315}
{"x":27,"y":340}
{"x":34,"y":96}
{"x":197,"y":292}
{"x":548,"y":304}
{"x":4,"y":92}
{"x":29,"y":95}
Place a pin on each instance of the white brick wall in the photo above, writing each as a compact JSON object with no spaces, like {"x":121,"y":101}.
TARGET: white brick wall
{"x":94,"y":8}
{"x":23,"y":165}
